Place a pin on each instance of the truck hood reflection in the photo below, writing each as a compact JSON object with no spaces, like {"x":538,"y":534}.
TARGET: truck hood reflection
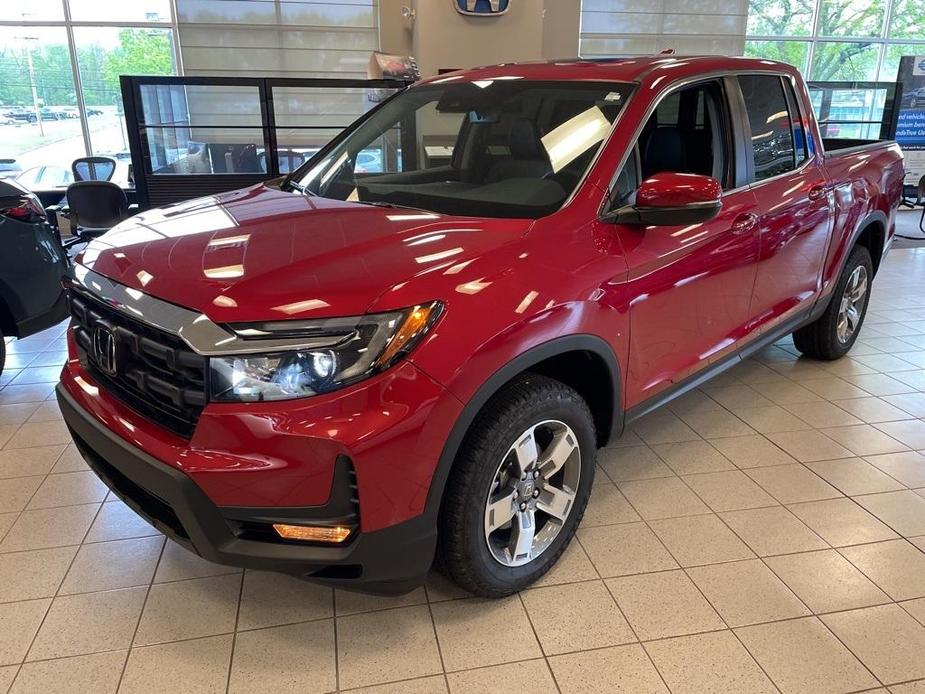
{"x":261,"y":253}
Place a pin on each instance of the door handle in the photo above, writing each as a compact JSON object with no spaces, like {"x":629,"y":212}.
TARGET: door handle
{"x":744,"y":223}
{"x":817,"y":193}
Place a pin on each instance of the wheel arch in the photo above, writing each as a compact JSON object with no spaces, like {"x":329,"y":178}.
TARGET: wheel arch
{"x":870,"y":233}
{"x":555,"y":359}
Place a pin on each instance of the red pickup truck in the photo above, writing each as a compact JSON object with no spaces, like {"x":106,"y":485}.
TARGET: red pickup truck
{"x":353,"y":371}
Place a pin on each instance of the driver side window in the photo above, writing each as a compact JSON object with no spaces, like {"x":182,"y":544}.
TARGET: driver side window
{"x":687,"y":133}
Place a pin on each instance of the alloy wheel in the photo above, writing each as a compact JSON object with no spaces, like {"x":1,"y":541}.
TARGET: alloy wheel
{"x":532,"y":493}
{"x":852,"y":305}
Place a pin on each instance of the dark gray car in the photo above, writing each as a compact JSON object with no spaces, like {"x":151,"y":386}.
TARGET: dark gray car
{"x":32,"y":263}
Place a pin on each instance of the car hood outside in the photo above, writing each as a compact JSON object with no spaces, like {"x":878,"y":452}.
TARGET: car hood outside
{"x":260,"y":253}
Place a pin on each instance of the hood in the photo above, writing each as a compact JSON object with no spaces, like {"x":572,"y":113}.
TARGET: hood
{"x":260,"y":253}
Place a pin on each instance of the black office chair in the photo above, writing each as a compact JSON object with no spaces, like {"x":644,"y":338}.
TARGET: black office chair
{"x":93,"y":168}
{"x":94,"y":207}
{"x":920,"y":200}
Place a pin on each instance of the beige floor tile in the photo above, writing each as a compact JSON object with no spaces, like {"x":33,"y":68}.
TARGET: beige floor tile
{"x":14,"y":415}
{"x":351,"y":602}
{"x":822,"y":414}
{"x":474,"y":633}
{"x":435,"y":684}
{"x":48,"y":411}
{"x":700,"y":540}
{"x":809,"y":446}
{"x":178,"y":563}
{"x":879,"y":384}
{"x":729,"y":491}
{"x":716,"y":424}
{"x":737,"y":396}
{"x":903,"y":511}
{"x":98,"y":673}
{"x":294,"y":659}
{"x":872,"y":410}
{"x":490,"y":680}
{"x":50,"y":527}
{"x":663,"y":427}
{"x":15,"y":492}
{"x":577,"y":616}
{"x":791,"y":484}
{"x":69,"y":489}
{"x":694,"y":401}
{"x":117,"y":564}
{"x":22,"y":462}
{"x":666,"y":497}
{"x":38,"y":433}
{"x":826,"y":581}
{"x":747,"y":592}
{"x":33,"y":574}
{"x":833,"y":388}
{"x":771,"y":419}
{"x":21,"y":621}
{"x":853,"y":476}
{"x":885,"y":638}
{"x":189,"y":609}
{"x":185,"y":667}
{"x":864,"y":439}
{"x":770,"y":531}
{"x":6,"y":522}
{"x":786,"y":393}
{"x":916,"y":608}
{"x":79,"y":624}
{"x":917,"y":687}
{"x":663,"y":604}
{"x":842,"y":522}
{"x":439,"y":588}
{"x":691,"y":457}
{"x":714,"y":662}
{"x":907,"y":468}
{"x":271,"y":599}
{"x":70,"y":461}
{"x":116,"y":521}
{"x":620,"y":550}
{"x":632,"y":463}
{"x":607,"y":506}
{"x":574,"y":565}
{"x":751,"y":451}
{"x":618,"y":670}
{"x":801,"y":655}
{"x":910,"y":432}
{"x":913,"y":403}
{"x":896,"y":566}
{"x":366,"y":658}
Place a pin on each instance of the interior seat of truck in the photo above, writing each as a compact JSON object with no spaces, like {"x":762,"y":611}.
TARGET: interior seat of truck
{"x":528,"y":155}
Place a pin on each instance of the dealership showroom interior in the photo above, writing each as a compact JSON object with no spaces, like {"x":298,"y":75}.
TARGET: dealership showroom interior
{"x":462,"y":346}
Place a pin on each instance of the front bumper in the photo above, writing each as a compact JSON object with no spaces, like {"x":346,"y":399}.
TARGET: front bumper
{"x":394,"y":559}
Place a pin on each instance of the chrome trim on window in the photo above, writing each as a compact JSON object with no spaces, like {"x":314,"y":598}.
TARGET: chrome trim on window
{"x":194,"y":328}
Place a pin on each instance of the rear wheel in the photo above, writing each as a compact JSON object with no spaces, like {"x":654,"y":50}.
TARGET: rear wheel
{"x":518,"y":488}
{"x":834,"y":332}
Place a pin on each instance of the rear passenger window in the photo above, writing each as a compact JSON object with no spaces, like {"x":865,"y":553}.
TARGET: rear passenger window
{"x":771,"y":127}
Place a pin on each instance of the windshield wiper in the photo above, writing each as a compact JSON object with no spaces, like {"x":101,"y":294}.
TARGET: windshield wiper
{"x":392,"y":205}
{"x":302,"y":189}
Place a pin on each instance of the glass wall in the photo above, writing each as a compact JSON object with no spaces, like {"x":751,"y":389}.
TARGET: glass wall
{"x":837,"y":40}
{"x":60,"y":62}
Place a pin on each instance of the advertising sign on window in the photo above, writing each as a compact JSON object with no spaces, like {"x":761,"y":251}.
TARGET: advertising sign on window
{"x":910,"y":126}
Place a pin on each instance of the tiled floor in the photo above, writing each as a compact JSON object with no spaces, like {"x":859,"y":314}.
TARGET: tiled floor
{"x":765,"y":533}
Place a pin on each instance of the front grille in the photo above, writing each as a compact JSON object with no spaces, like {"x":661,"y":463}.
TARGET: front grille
{"x":153,"y":372}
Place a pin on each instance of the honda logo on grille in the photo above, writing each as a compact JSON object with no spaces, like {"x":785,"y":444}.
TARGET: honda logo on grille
{"x":484,"y":8}
{"x":104,"y":349}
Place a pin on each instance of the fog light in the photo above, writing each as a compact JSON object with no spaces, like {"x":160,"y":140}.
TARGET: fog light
{"x":312,"y":533}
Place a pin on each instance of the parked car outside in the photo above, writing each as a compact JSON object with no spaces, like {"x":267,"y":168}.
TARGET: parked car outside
{"x":348,"y":374}
{"x":45,"y":177}
{"x":9,"y":168}
{"x":32,"y":266}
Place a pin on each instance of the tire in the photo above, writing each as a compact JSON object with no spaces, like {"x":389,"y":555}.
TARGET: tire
{"x":488,"y":562}
{"x":826,"y":338}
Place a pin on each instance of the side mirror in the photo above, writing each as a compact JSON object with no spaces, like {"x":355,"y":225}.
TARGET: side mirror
{"x":671,"y":199}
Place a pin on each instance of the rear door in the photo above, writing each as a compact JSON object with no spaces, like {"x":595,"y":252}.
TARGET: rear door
{"x":793,"y":197}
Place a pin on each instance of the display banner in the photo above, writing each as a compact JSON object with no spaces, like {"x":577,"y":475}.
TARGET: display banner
{"x":910,"y":125}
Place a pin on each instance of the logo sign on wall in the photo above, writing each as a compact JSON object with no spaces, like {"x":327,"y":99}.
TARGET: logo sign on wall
{"x":482,"y":8}
{"x":910,"y":125}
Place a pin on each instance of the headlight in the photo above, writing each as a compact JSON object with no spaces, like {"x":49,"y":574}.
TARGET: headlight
{"x":357,"y":348}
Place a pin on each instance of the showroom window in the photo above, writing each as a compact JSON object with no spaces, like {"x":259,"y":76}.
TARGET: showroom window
{"x":60,"y":62}
{"x":837,"y":40}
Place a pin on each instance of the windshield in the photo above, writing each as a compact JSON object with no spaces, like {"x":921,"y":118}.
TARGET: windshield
{"x":488,"y":148}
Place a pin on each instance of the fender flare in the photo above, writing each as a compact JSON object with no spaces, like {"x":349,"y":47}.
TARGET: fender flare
{"x":561,"y":345}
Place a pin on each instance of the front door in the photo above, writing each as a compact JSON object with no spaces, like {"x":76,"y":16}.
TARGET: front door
{"x":689,"y":287}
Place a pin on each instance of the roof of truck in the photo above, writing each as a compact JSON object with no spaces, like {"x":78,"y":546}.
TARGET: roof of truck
{"x":617,"y":69}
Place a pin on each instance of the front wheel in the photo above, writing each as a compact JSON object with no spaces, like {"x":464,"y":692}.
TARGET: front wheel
{"x":518,"y":488}
{"x":834,"y":332}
